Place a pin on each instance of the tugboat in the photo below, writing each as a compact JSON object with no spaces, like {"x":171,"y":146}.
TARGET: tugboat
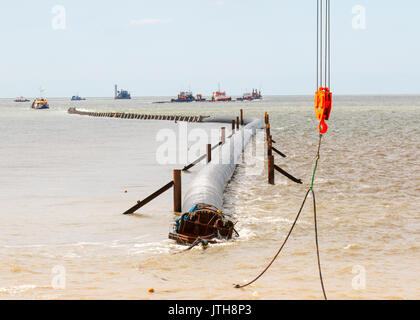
{"x":251,"y":96}
{"x":121,"y":94}
{"x":245,"y":96}
{"x":220,"y":96}
{"x":77,"y":98}
{"x":256,"y":94}
{"x":200,"y":97}
{"x":21,"y":99}
{"x":184,"y":96}
{"x":40,"y":103}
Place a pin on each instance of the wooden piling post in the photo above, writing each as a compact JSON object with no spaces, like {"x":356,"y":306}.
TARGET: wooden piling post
{"x":208,"y":153}
{"x":177,"y":191}
{"x":269,"y":146}
{"x":222,"y":135}
{"x":267,"y":130}
{"x":267,"y":118}
{"x":233,"y":126}
{"x":242,"y":117}
{"x":237,"y":123}
{"x":271,"y":169}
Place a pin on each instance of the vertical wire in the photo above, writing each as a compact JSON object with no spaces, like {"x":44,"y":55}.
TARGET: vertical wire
{"x":317,"y":45}
{"x":329,"y":43}
{"x":327,"y":55}
{"x":320,"y":34}
{"x":326,"y":42}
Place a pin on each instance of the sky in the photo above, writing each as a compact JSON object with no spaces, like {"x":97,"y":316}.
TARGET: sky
{"x":159,"y":47}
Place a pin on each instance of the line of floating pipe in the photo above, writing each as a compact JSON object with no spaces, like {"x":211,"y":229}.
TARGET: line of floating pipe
{"x":124,"y":115}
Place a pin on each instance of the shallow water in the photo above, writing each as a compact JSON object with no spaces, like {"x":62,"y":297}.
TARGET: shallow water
{"x":62,"y":182}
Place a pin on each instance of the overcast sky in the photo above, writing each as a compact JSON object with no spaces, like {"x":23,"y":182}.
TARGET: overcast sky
{"x":158,"y":47}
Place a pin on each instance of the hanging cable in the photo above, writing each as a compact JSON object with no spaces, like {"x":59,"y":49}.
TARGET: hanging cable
{"x":317,"y":45}
{"x":320,"y":43}
{"x":310,"y":190}
{"x":326,"y":43}
{"x":329,"y":44}
{"x":323,"y":95}
{"x":323,"y":101}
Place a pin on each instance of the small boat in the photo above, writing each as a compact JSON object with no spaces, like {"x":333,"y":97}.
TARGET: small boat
{"x":220,"y":96}
{"x":245,"y":97}
{"x":121,"y":94}
{"x":184,"y":96}
{"x":256,"y":94}
{"x":202,"y":222}
{"x":77,"y":98}
{"x":200,"y":98}
{"x":21,"y":99}
{"x":40,"y":103}
{"x":251,"y":96}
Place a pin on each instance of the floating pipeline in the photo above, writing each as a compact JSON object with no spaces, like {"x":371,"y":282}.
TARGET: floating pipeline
{"x":210,"y":182}
{"x":124,"y":115}
{"x":203,"y":219}
{"x":203,"y":201}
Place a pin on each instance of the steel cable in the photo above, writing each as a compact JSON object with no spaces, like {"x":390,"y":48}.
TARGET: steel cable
{"x":293,"y":226}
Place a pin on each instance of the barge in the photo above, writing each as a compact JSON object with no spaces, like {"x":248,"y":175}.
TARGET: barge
{"x":121,"y":94}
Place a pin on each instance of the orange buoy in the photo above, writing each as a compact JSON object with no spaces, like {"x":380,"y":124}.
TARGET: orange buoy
{"x":151,"y":290}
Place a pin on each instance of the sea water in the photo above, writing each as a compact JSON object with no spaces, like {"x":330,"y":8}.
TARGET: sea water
{"x":62,"y":193}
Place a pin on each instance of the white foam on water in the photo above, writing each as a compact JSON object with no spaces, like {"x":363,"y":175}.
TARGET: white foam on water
{"x":71,"y":204}
{"x":13,"y":290}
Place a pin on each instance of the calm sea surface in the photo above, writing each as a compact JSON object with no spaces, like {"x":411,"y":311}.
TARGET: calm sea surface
{"x":62,"y":182}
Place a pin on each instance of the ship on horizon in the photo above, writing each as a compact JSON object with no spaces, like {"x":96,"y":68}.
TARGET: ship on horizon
{"x":187,"y":96}
{"x":21,"y":99}
{"x":184,"y":96}
{"x":121,"y":94}
{"x":41,"y":102}
{"x":255,"y":95}
{"x":220,"y":96}
{"x":77,"y":98}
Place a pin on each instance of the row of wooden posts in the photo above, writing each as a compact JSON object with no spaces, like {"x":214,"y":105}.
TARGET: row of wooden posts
{"x":124,"y":115}
{"x":176,"y":183}
{"x":271,"y":166}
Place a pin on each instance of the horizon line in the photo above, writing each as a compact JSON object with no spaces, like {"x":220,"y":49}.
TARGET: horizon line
{"x":266,"y":95}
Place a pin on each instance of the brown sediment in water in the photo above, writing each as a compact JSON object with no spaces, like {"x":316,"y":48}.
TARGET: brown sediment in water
{"x":61,"y":200}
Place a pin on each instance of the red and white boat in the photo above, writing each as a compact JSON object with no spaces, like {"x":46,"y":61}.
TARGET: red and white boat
{"x":220,"y":96}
